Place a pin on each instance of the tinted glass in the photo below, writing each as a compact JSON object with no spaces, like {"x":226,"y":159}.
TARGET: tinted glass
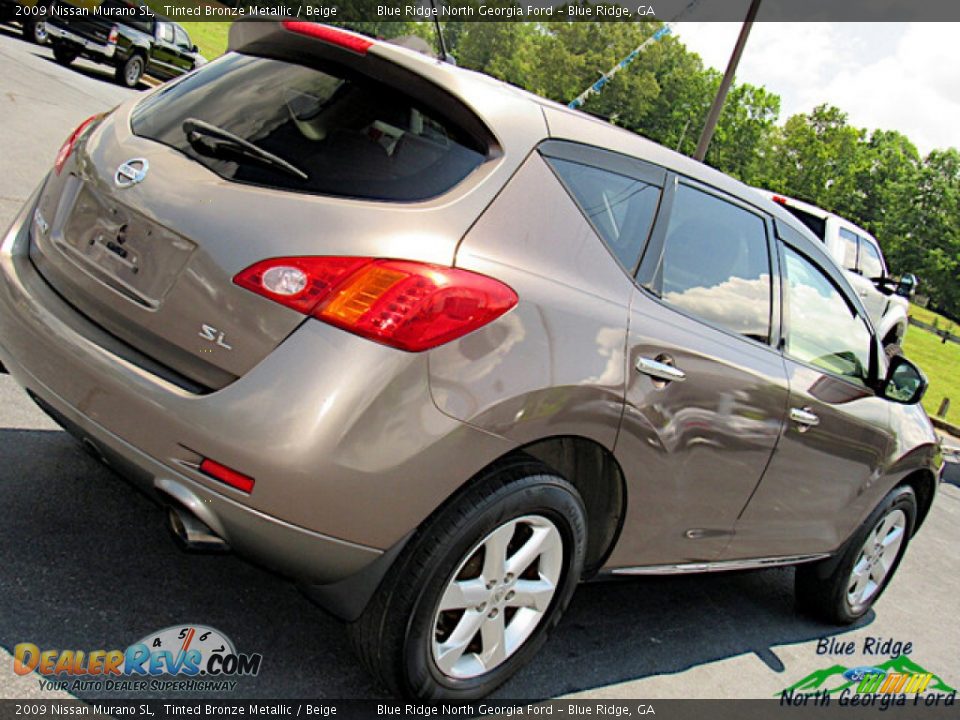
{"x":816,"y":225}
{"x":350,"y":136}
{"x":620,"y":208}
{"x":848,"y":243}
{"x":823,"y":330}
{"x":870,"y":264}
{"x":716,"y":263}
{"x":181,"y":38}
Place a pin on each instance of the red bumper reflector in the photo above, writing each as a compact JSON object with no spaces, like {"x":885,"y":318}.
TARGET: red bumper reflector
{"x":334,"y":36}
{"x":234,"y":479}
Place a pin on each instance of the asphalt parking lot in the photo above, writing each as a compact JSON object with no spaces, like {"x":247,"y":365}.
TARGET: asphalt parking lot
{"x":88,"y":562}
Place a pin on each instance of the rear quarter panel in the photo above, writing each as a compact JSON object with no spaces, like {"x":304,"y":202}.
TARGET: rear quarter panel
{"x":554,"y":365}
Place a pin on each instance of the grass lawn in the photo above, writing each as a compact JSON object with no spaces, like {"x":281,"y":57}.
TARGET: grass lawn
{"x":928,"y":316}
{"x":210,"y":37}
{"x":941,"y":363}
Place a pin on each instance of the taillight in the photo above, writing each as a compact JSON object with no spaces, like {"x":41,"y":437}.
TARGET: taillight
{"x":780,"y":199}
{"x":408,"y":305}
{"x":334,"y":36}
{"x":68,"y":145}
{"x":114,"y":34}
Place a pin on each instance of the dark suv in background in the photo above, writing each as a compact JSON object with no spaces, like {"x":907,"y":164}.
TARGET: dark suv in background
{"x":439,"y":349}
{"x":134,"y":45}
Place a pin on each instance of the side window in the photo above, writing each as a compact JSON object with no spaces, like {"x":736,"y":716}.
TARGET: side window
{"x":870,"y":263}
{"x":823,"y":330}
{"x":166,"y":32}
{"x":849,"y":245}
{"x":716,"y":263}
{"x":620,"y":208}
{"x":182,"y":40}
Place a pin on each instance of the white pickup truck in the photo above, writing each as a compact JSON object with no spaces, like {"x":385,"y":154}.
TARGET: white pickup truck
{"x":887,"y":301}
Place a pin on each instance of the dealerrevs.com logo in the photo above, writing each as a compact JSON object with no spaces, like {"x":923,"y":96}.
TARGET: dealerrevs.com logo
{"x":201,"y":657}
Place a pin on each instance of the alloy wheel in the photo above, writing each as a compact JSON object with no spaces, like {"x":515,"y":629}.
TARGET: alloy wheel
{"x":39,"y":32}
{"x":876,"y":558}
{"x":497,"y":597}
{"x":134,"y":70}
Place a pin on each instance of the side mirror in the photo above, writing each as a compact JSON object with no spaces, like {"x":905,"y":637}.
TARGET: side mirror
{"x":195,"y":50}
{"x":905,"y":382}
{"x":908,"y":285}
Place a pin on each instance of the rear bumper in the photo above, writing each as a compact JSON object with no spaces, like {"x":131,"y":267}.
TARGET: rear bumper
{"x":92,"y":48}
{"x":38,"y":349}
{"x":348,"y":451}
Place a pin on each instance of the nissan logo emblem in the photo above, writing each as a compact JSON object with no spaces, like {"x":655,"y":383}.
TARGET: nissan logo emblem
{"x":131,"y":172}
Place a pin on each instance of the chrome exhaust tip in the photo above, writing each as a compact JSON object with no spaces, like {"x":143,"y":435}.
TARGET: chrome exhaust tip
{"x":192,"y":534}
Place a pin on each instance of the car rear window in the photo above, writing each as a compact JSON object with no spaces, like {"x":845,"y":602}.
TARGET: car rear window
{"x":334,"y":132}
{"x":816,"y":225}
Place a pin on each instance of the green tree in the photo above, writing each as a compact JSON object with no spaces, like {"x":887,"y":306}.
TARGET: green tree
{"x":924,"y":233}
{"x":885,"y":179}
{"x":818,"y":158}
{"x":739,"y":142}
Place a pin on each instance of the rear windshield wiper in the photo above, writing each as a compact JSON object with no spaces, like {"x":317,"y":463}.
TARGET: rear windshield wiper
{"x":200,"y":132}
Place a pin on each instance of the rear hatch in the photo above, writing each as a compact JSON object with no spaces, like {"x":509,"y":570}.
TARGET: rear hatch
{"x":150,"y":220}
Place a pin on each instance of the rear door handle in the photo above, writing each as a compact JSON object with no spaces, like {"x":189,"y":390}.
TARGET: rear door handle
{"x":660,"y":370}
{"x":804,"y":418}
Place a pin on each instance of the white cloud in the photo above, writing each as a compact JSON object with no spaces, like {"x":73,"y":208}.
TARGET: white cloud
{"x":884,"y":75}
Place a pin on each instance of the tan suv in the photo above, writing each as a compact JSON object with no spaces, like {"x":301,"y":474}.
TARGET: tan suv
{"x":439,"y":349}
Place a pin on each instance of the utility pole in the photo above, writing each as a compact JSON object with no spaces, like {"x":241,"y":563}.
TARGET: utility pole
{"x":711,"y":125}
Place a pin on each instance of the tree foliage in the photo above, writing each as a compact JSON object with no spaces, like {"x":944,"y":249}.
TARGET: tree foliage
{"x":878,"y":179}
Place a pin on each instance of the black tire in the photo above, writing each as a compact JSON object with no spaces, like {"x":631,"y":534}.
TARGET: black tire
{"x":63,"y":54}
{"x":823,"y":588}
{"x":394,"y":637}
{"x":35,"y":31}
{"x":130,"y":71}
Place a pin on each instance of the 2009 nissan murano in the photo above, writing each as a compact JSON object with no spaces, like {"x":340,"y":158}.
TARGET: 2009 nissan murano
{"x":439,"y":349}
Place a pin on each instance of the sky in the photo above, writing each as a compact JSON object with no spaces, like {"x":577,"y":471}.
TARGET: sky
{"x":892,"y":76}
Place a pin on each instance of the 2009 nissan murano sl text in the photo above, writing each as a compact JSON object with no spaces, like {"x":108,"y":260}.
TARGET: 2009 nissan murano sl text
{"x":439,"y":349}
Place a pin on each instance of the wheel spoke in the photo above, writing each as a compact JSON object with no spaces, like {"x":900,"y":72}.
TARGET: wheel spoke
{"x":861,"y":568}
{"x":495,"y":552}
{"x":893,"y":536}
{"x":449,"y":652}
{"x":463,"y":594}
{"x":860,"y":577}
{"x":889,"y":524}
{"x":535,"y":594}
{"x":884,"y":563}
{"x":494,"y":637}
{"x":529,"y":551}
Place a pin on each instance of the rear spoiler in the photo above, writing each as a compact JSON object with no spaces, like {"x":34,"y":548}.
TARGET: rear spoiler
{"x":316,"y":45}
